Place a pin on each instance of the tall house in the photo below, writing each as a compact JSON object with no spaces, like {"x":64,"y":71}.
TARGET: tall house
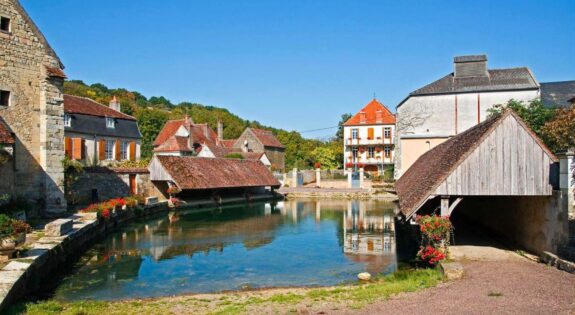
{"x":456,"y":102}
{"x":369,"y":138}
{"x":31,"y":108}
{"x":96,"y":134}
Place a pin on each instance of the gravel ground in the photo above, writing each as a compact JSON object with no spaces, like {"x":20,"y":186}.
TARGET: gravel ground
{"x":489,"y":287}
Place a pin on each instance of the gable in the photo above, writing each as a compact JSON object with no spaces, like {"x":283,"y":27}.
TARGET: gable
{"x":374,"y":113}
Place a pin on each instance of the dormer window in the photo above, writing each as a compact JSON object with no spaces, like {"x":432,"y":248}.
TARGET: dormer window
{"x":4,"y":24}
{"x":110,"y":123}
{"x":67,"y":120}
{"x":4,"y":98}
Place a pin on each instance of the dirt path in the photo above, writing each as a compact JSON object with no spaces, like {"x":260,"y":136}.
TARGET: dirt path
{"x":517,"y":286}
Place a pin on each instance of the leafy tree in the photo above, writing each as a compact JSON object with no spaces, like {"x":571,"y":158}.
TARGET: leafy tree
{"x":535,"y":114}
{"x":559,"y":133}
{"x":150,"y":122}
{"x":344,"y":118}
{"x":325,"y":156}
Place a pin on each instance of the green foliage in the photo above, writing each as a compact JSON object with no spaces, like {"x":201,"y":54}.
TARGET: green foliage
{"x":234,"y":156}
{"x":344,"y":118}
{"x":153,"y":113}
{"x":559,"y":133}
{"x":535,"y":114}
{"x":325,"y":156}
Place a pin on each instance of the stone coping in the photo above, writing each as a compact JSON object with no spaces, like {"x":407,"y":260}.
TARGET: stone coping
{"x":554,"y":260}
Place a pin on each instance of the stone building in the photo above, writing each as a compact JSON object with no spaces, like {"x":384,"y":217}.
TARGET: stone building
{"x":184,"y":137}
{"x":31,"y":105}
{"x":263,"y":141}
{"x":97,"y":134}
{"x":456,"y":102}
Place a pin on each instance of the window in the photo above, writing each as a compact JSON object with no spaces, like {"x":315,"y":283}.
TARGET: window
{"x":354,"y":133}
{"x":387,"y":151}
{"x":354,"y":153}
{"x":371,"y":152}
{"x":110,"y":123}
{"x":387,"y":132}
{"x":4,"y":24}
{"x":67,"y":120}
{"x":109,"y":150}
{"x":124,"y":150}
{"x":4,"y":98}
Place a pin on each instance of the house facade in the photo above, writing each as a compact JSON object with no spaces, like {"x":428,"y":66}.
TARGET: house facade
{"x":263,"y":141}
{"x":96,"y":134}
{"x":460,"y":100}
{"x":183,"y":137}
{"x":369,"y":138}
{"x":31,"y":106}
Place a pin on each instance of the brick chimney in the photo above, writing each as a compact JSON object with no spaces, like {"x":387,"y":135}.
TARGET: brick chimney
{"x":188,"y":125}
{"x":470,"y":66}
{"x":220,"y":130}
{"x":115,"y":105}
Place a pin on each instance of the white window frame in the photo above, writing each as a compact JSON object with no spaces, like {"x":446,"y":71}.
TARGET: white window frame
{"x":67,"y":120}
{"x":109,"y":150}
{"x":387,"y":132}
{"x":354,"y":153}
{"x":110,"y":123}
{"x":124,"y":150}
{"x":371,"y":152}
{"x":387,"y":152}
{"x":354,"y":133}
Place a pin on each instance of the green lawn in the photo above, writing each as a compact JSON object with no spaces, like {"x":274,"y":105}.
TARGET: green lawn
{"x":274,"y":301}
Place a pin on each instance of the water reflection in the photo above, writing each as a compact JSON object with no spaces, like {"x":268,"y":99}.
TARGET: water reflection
{"x":296,"y":242}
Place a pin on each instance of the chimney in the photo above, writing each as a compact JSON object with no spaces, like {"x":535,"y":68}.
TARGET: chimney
{"x":220,"y":130}
{"x":206,"y":131}
{"x":115,"y":105}
{"x":188,"y":126}
{"x":470,"y":66}
{"x":379,"y":116}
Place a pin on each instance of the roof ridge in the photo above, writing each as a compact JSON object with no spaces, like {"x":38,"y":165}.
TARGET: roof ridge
{"x":99,"y":104}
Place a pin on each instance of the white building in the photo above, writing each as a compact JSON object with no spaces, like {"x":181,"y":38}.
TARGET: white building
{"x":442,"y":109}
{"x":369,"y":138}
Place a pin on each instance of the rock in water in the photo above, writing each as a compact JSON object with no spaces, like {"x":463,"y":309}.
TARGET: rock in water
{"x":364,"y":276}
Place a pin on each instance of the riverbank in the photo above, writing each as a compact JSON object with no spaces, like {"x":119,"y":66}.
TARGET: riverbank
{"x":269,"y":301}
{"x":337,"y":193}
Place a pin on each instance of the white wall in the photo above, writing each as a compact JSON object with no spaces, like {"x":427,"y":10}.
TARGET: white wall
{"x":363,"y":133}
{"x":91,"y":145}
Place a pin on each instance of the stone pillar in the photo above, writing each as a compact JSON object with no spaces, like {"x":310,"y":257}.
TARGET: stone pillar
{"x":294,"y":178}
{"x":285,"y":178}
{"x":361,"y":177}
{"x":318,"y":178}
{"x":349,"y":179}
{"x":567,"y":177}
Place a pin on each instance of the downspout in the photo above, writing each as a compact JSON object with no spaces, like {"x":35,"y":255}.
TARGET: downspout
{"x":478,"y":108}
{"x":456,"y":114}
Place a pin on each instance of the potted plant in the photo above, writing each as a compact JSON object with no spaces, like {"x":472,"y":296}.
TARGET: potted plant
{"x":12,"y":232}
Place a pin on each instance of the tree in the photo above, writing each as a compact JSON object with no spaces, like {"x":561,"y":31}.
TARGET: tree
{"x":559,"y":133}
{"x":535,"y":114}
{"x":325,"y":156}
{"x":150,"y":122}
{"x":343,"y":119}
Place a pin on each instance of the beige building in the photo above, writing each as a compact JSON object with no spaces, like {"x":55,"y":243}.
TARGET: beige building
{"x":31,"y":106}
{"x":460,"y":100}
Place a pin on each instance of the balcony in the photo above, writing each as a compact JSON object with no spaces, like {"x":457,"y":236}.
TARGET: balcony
{"x":369,"y":161}
{"x":368,"y":142}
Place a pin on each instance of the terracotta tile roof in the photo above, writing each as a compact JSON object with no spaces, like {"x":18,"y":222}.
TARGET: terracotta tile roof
{"x":432,"y":168}
{"x":371,"y":115}
{"x":169,"y":129}
{"x":6,"y":135}
{"x":174,"y":144}
{"x":86,"y":106}
{"x":55,"y":72}
{"x":192,"y":173}
{"x":267,"y":138}
{"x":252,"y":155}
{"x":201,"y":133}
{"x":228,"y":143}
{"x":222,"y":152}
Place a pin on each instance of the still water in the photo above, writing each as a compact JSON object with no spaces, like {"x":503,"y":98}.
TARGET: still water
{"x":288,"y":243}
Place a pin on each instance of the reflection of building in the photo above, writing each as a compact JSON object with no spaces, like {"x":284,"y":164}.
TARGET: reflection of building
{"x":367,"y":234}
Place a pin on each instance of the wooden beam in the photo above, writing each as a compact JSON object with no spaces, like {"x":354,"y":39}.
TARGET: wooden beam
{"x":454,"y":204}
{"x":444,"y":206}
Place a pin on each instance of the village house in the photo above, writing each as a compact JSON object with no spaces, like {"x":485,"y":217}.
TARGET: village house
{"x":263,"y":141}
{"x":458,"y":101}
{"x":96,"y":134}
{"x":183,"y":137}
{"x":369,"y":138}
{"x":31,"y":107}
{"x":219,"y":151}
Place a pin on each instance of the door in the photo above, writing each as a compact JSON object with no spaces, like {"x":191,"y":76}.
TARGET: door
{"x":133,"y":186}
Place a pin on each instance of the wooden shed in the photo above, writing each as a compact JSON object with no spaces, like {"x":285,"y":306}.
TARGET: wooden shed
{"x":501,"y":156}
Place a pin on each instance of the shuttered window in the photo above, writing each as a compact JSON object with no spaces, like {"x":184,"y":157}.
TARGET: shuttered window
{"x":370,"y":133}
{"x":78,"y":148}
{"x":132,"y":151}
{"x":68,"y":147}
{"x":116,"y":146}
{"x":102,"y":150}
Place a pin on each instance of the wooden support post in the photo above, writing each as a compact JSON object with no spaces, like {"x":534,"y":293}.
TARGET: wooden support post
{"x":444,"y":206}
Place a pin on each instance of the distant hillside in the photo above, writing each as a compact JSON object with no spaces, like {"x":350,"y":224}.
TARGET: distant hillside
{"x":153,"y":112}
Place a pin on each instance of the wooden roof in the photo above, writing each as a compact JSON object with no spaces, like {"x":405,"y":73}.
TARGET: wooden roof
{"x":500,"y":156}
{"x":193,"y":173}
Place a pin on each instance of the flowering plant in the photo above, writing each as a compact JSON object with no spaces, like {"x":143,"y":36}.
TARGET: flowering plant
{"x":430,"y":255}
{"x":434,"y":227}
{"x":348,"y":165}
{"x":317,"y":165}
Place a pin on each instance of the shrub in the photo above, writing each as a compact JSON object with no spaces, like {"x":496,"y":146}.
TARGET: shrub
{"x":435,"y":236}
{"x":11,"y":227}
{"x":234,"y":156}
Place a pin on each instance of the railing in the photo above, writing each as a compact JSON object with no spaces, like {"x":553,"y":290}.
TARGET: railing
{"x":368,"y":141}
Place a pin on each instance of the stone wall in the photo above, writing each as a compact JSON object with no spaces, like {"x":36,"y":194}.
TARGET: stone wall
{"x":35,"y":113}
{"x":276,"y":157}
{"x":535,"y":223}
{"x":105,"y":183}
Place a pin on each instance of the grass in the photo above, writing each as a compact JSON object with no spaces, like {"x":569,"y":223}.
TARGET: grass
{"x":349,"y":296}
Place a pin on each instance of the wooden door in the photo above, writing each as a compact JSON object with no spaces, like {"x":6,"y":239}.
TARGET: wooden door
{"x":133,"y":185}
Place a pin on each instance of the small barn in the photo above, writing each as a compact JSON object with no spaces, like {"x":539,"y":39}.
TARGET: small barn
{"x":498,"y":175}
{"x":204,"y":177}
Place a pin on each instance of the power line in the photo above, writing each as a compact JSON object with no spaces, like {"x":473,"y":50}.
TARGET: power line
{"x":320,"y":129}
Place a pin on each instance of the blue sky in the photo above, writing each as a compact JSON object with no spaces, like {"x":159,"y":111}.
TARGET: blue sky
{"x":298,"y":64}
